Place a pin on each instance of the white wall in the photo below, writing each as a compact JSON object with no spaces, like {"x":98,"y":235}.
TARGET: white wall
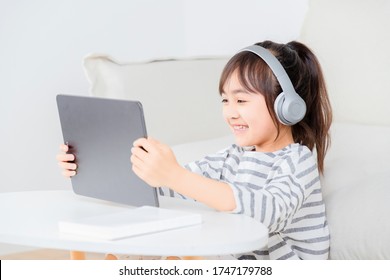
{"x":42,"y":44}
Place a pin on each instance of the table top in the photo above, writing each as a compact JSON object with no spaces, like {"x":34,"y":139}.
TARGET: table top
{"x":31,"y":218}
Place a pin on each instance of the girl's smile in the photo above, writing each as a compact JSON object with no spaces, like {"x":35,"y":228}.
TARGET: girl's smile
{"x":239,"y":128}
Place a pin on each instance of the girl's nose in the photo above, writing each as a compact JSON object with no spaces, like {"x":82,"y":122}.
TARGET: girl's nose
{"x":230,"y":112}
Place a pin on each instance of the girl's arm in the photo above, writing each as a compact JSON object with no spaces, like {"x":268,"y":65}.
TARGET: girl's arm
{"x":156,"y":164}
{"x":213,"y":193}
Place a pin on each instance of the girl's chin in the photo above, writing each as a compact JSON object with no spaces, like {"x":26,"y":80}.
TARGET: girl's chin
{"x":242,"y":142}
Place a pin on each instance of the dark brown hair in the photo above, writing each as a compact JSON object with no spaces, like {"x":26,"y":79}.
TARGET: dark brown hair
{"x":306,"y":75}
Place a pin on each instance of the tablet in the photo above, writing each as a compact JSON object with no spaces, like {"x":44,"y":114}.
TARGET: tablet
{"x":100,"y":132}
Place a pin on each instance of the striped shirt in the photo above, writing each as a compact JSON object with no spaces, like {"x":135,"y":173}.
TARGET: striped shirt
{"x":280,"y":189}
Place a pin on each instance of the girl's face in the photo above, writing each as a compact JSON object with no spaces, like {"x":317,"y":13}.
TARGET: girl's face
{"x":247,"y":115}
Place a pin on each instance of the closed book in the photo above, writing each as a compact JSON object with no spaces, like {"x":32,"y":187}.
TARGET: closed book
{"x":132,"y":222}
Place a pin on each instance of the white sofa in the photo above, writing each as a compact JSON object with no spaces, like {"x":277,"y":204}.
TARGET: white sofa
{"x":181,"y":103}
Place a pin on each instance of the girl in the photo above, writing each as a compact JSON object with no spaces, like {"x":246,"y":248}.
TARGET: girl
{"x":270,"y":173}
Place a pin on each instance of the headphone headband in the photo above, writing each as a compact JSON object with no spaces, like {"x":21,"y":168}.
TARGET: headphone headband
{"x":274,"y":64}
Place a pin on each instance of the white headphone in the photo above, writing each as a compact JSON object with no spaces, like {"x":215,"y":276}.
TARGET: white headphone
{"x":289,"y":107}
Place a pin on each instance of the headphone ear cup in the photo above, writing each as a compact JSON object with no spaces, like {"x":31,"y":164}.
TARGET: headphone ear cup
{"x":278,"y":107}
{"x":289,"y":111}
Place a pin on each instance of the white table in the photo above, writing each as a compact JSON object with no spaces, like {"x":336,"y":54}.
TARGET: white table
{"x":31,"y":218}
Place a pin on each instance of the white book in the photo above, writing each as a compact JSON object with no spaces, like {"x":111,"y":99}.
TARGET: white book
{"x":132,"y":222}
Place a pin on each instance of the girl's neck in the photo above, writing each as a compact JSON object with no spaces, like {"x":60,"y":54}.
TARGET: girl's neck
{"x":284,"y":139}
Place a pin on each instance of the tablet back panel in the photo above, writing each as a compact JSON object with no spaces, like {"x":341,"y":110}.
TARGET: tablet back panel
{"x":101,"y":132}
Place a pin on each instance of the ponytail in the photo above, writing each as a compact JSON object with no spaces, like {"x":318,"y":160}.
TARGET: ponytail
{"x":309,"y":82}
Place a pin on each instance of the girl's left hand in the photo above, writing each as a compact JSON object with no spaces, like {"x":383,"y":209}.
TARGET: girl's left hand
{"x":154,"y":162}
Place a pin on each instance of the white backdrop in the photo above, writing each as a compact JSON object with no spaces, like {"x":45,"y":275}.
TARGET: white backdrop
{"x":43,"y":42}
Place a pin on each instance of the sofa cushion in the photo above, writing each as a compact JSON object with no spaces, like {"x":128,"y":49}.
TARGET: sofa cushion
{"x":180,"y":97}
{"x":356,"y":188}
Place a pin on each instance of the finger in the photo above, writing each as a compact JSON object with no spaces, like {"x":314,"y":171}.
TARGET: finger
{"x":68,"y":173}
{"x":139,"y":142}
{"x":139,"y":152}
{"x":68,"y":166}
{"x":146,"y":144}
{"x":64,"y":148}
{"x":65,"y":157}
{"x":138,"y":171}
{"x":135,"y":165}
{"x":135,"y":161}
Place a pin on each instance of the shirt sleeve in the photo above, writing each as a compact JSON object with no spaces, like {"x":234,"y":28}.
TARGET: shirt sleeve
{"x":275,"y":202}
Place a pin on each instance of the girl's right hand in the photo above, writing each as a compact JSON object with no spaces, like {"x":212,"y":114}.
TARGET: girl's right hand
{"x":65,"y":161}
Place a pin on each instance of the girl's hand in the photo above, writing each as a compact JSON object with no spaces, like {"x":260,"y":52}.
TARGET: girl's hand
{"x":154,"y":162}
{"x":64,"y":161}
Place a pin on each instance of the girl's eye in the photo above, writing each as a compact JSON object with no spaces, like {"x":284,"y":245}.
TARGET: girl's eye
{"x":241,"y":101}
{"x":224,"y":100}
